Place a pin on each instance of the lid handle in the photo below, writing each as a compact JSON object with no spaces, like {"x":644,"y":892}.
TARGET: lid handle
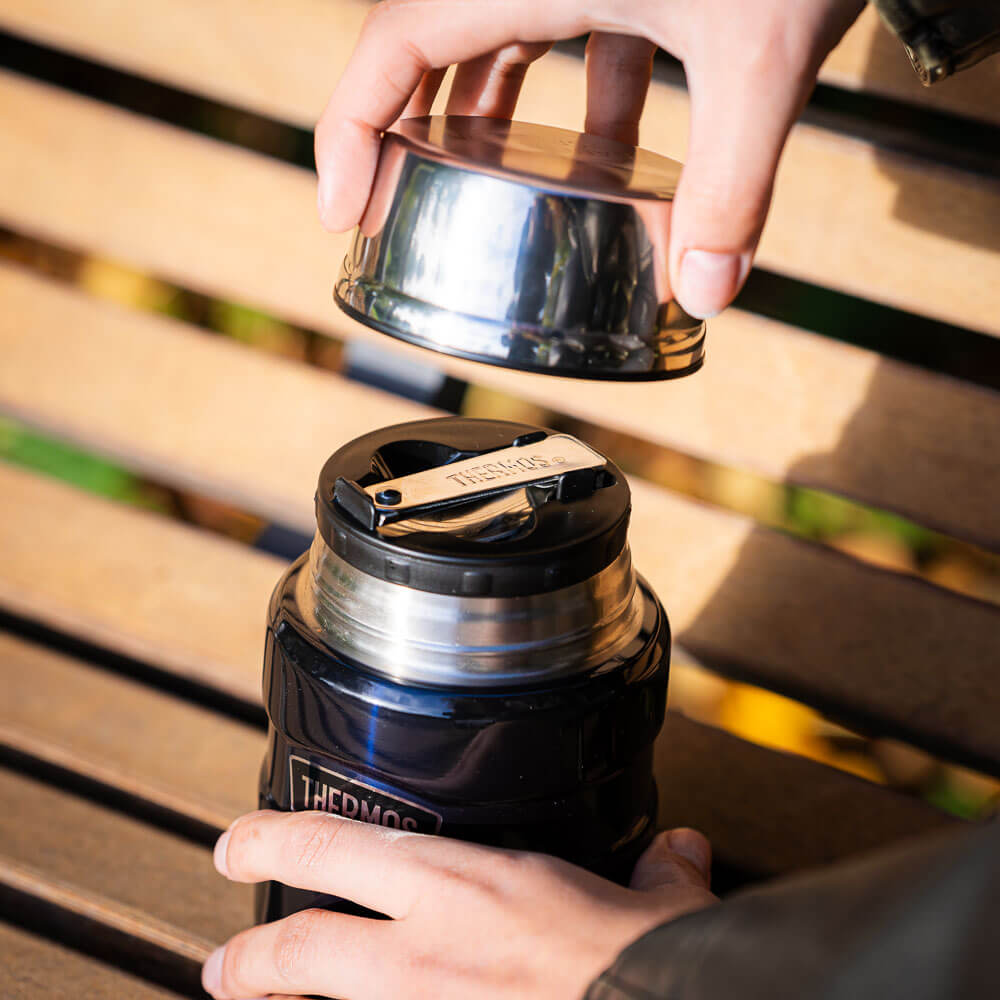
{"x":575,"y":470}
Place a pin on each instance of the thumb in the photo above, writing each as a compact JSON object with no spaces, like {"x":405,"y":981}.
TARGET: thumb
{"x":680,"y":859}
{"x":741,"y":112}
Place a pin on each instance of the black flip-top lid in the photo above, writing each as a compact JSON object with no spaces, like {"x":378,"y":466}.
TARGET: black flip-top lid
{"x":473,"y":507}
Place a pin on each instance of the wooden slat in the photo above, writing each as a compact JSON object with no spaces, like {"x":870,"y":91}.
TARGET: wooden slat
{"x":289,"y":78}
{"x":110,"y":378}
{"x":74,"y":898}
{"x":134,"y":583}
{"x":32,"y":968}
{"x":756,"y":797}
{"x":161,"y":748}
{"x":881,"y":431}
{"x":787,"y":404}
{"x":871,"y":59}
{"x":772,"y":623}
{"x":117,"y":870}
{"x":871,"y":223}
{"x":766,"y":812}
{"x":907,"y":658}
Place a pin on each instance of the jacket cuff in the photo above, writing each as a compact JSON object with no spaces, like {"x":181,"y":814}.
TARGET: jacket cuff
{"x":906,"y":916}
{"x":943,"y":37}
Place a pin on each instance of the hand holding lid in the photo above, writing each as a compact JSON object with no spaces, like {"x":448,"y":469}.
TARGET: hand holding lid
{"x":749,"y":67}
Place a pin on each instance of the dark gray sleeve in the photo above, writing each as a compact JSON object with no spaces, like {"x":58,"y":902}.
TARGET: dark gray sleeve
{"x":943,"y":36}
{"x":921,"y":921}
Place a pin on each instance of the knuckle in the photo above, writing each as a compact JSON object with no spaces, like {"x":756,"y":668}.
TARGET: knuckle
{"x":777,"y":51}
{"x":416,"y":55}
{"x":453,"y":883}
{"x":526,"y":866}
{"x":730,"y":207}
{"x":383,"y":29}
{"x":312,"y":838}
{"x":292,"y":943}
{"x":503,"y":874}
{"x":517,"y":56}
{"x":392,"y":75}
{"x":235,"y":963}
{"x":422,"y":965}
{"x":377,"y":18}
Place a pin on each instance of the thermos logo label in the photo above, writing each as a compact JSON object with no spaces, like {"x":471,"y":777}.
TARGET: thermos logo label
{"x":315,"y":787}
{"x":503,"y":468}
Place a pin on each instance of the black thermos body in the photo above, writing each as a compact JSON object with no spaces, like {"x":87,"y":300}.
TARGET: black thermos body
{"x":466,"y":649}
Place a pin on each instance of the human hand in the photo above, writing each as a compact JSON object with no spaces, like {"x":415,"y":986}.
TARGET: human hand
{"x":750,"y":67}
{"x":469,"y":922}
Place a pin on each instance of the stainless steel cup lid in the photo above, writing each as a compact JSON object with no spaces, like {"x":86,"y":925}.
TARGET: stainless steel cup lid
{"x":523,"y":246}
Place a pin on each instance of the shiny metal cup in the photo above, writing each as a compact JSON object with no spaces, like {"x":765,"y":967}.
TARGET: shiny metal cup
{"x":523,"y":246}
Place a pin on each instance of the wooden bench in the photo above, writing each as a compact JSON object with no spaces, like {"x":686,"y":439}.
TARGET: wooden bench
{"x":130,"y":643}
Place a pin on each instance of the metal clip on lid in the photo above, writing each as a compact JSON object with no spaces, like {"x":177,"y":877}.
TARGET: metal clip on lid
{"x":475,"y":507}
{"x":567,"y":464}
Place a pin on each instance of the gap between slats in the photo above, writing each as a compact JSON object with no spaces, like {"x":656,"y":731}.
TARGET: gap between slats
{"x":117,"y":888}
{"x":33,"y":967}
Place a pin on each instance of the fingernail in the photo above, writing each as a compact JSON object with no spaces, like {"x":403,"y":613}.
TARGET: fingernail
{"x":211,"y":972}
{"x":708,"y":281}
{"x":220,"y":852}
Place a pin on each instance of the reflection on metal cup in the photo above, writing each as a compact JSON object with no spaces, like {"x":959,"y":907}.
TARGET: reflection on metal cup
{"x":523,"y":246}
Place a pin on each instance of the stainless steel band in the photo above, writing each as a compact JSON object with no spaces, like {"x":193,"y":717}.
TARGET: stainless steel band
{"x":418,"y":637}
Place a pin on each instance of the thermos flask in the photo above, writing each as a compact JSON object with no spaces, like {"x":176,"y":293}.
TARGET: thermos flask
{"x":466,"y":649}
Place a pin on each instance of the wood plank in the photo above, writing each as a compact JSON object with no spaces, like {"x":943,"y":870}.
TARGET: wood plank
{"x":884,"y":652}
{"x":33,"y":967}
{"x":151,"y":589}
{"x":868,"y":222}
{"x":155,"y":41}
{"x":753,"y":798}
{"x":161,"y":748}
{"x":871,"y":59}
{"x":900,"y":656}
{"x":154,"y":393}
{"x":109,"y":867}
{"x":881,"y":431}
{"x":85,"y":905}
{"x":66,"y":712}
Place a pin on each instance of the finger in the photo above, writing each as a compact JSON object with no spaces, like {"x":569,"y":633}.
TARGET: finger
{"x":679,"y":858}
{"x":619,"y":68}
{"x":747,"y":86}
{"x":372,"y":865}
{"x":310,"y":952}
{"x":423,"y":97}
{"x":490,"y":85}
{"x":400,"y":42}
{"x":693,"y":846}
